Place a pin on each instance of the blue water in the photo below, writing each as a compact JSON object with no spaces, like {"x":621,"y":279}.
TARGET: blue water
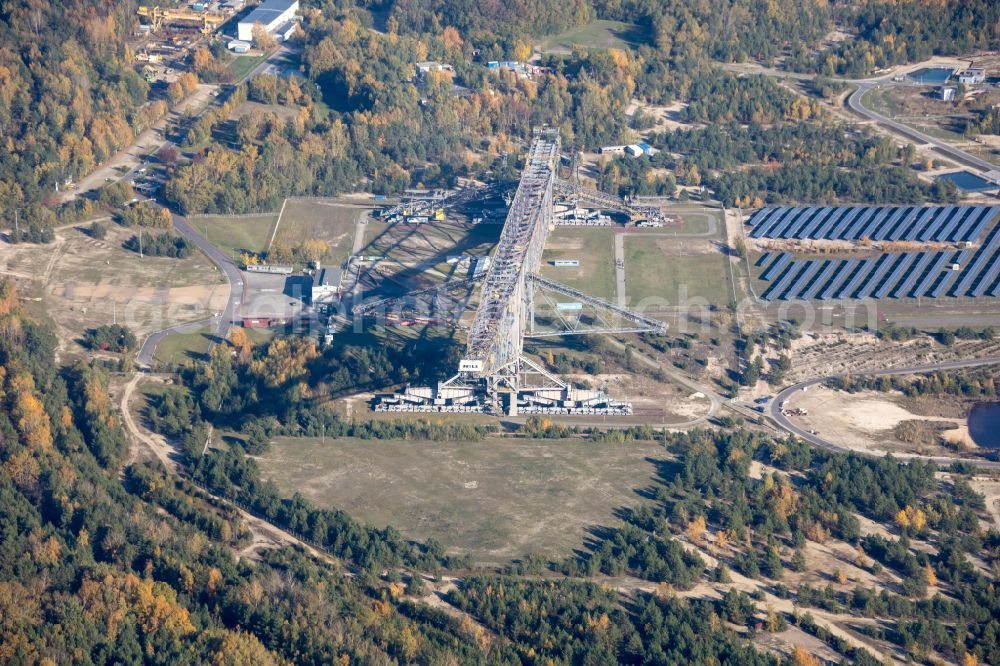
{"x":984,"y":424}
{"x":932,"y":76}
{"x":969,"y":182}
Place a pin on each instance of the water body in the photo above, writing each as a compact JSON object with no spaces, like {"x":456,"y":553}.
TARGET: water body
{"x":930,"y":76}
{"x":968,"y":181}
{"x":984,"y":424}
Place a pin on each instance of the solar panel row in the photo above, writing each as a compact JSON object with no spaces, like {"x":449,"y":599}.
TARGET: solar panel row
{"x":871,"y":280}
{"x":776,"y":266}
{"x":801,"y":280}
{"x":896,"y":275}
{"x":877,"y":223}
{"x":932,"y":273}
{"x":843,"y":271}
{"x":979,"y":261}
{"x":944,"y":281}
{"x":779,"y":285}
{"x":821,"y":279}
{"x":906,"y":284}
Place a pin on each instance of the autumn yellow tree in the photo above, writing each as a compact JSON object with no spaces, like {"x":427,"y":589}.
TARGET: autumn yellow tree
{"x":802,"y":657}
{"x":912,"y":518}
{"x":201,"y":59}
{"x":279,"y":253}
{"x":29,"y":413}
{"x":773,"y":621}
{"x":240,"y":341}
{"x":929,"y":575}
{"x":696,"y":529}
{"x":234,"y":648}
{"x":262,"y":39}
{"x":451,"y":41}
{"x":314,"y":249}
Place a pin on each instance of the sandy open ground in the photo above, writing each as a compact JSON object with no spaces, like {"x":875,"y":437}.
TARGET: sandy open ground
{"x":84,"y":282}
{"x":864,"y":421}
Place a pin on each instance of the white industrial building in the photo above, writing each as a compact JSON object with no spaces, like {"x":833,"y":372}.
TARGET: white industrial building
{"x":632,"y":150}
{"x":277,"y":17}
{"x":326,"y":285}
{"x":972,"y":76}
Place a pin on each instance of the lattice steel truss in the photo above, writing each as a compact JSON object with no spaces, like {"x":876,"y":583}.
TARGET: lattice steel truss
{"x":494,"y":369}
{"x":497,"y":332}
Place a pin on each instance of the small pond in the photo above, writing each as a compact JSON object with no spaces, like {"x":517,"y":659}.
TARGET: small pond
{"x":968,"y":181}
{"x":984,"y":424}
{"x":930,"y":76}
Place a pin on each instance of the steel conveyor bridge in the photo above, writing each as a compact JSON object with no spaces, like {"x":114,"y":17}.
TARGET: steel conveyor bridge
{"x":494,"y":375}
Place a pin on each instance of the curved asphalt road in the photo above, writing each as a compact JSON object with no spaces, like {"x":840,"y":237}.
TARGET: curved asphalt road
{"x":232,"y":273}
{"x":229,"y":315}
{"x":774,"y":411}
{"x":854,"y":102}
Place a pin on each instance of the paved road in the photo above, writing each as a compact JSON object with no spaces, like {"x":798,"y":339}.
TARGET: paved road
{"x":619,"y":240}
{"x":154,"y":138}
{"x":230,"y":270}
{"x":774,"y":409}
{"x":264,"y":66}
{"x":145,"y":355}
{"x":854,"y":102}
{"x":145,"y":144}
{"x":229,"y":315}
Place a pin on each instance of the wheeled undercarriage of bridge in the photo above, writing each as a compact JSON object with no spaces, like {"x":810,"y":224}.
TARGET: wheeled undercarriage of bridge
{"x":495,"y":376}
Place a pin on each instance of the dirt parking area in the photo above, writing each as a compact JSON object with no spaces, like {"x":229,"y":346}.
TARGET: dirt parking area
{"x":84,"y":282}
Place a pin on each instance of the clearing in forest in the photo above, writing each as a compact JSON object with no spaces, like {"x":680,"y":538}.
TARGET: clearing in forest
{"x":497,"y":499}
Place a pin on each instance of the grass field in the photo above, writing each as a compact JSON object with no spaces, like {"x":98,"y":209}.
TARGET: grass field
{"x":905,"y":103}
{"x":303,"y":220}
{"x":699,"y":222}
{"x":497,"y":499}
{"x":153,"y":389}
{"x":598,"y":34}
{"x":594,"y":248}
{"x":429,"y":244}
{"x":244,"y":64}
{"x":234,"y":235}
{"x":181,"y":347}
{"x":677,"y":271}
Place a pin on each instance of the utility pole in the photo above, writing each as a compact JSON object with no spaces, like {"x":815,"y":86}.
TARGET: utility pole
{"x":17,"y":228}
{"x":140,"y":242}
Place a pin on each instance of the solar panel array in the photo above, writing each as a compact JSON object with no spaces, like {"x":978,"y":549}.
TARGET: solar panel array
{"x":877,"y":223}
{"x":929,"y":274}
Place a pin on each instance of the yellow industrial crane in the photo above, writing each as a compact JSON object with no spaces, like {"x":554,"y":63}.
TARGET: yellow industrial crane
{"x":156,"y":16}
